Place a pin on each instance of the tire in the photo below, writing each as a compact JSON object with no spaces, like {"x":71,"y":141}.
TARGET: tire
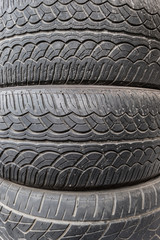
{"x":139,"y":18}
{"x":125,"y":213}
{"x":80,"y":42}
{"x":79,"y":138}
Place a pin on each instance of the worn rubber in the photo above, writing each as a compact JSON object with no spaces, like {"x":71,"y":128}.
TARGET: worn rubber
{"x":80,"y":58}
{"x":79,"y":138}
{"x":132,"y":17}
{"x":80,"y":42}
{"x":126,"y":213}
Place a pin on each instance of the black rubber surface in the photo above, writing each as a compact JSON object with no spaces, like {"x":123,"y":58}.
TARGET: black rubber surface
{"x":127,"y":213}
{"x":80,"y":42}
{"x":132,"y":17}
{"x":79,"y":138}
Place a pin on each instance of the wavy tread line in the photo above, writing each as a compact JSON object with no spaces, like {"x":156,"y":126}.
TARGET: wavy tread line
{"x":20,"y":17}
{"x":78,"y":115}
{"x":79,"y":59}
{"x":79,"y":166}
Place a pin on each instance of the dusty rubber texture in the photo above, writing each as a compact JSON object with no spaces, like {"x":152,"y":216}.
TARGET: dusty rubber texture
{"x":80,"y":58}
{"x":79,"y":138}
{"x":126,"y":213}
{"x":80,"y":42}
{"x":29,"y":16}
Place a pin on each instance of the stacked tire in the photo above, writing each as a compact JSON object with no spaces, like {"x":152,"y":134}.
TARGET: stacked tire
{"x":79,"y":120}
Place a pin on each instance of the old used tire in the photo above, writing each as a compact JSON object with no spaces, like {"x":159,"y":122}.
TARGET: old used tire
{"x":79,"y":138}
{"x":131,"y":213}
{"x":80,"y":42}
{"x":29,"y":16}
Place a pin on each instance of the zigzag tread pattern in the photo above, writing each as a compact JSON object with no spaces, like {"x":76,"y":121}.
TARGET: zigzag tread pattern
{"x":129,"y":214}
{"x":19,"y":17}
{"x":79,"y":115}
{"x":79,"y":166}
{"x":79,"y":58}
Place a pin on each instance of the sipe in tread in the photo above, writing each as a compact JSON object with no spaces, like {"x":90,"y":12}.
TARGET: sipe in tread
{"x":79,"y":58}
{"x":79,"y":138}
{"x":132,"y":17}
{"x":119,"y":214}
{"x":80,"y":42}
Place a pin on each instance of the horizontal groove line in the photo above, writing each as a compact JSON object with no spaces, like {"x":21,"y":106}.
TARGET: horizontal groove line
{"x":66,"y":142}
{"x":86,"y":31}
{"x":76,"y":88}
